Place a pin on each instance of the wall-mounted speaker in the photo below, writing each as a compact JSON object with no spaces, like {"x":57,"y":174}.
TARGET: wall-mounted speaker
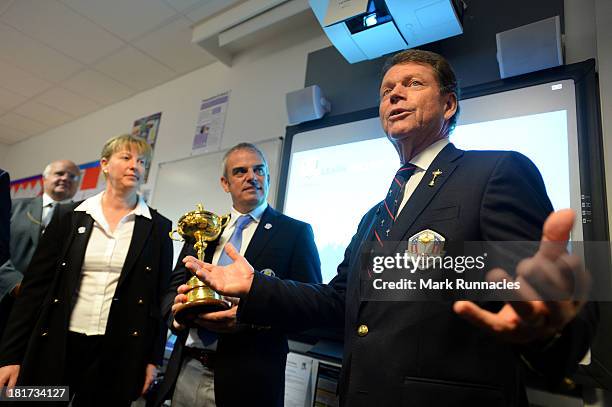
{"x":306,"y":104}
{"x":530,"y":48}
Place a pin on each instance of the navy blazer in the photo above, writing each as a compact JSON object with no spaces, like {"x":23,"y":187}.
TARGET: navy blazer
{"x":37,"y":330}
{"x":250,"y":365}
{"x":422,"y":353}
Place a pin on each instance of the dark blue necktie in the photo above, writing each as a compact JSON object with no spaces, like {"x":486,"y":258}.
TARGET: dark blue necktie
{"x":242,"y":222}
{"x":387,"y":212}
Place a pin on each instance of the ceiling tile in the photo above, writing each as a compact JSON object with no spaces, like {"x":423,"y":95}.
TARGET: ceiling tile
{"x":34,"y":56}
{"x":9,"y":100}
{"x":9,"y":135}
{"x":58,"y":26}
{"x":208,"y":8}
{"x":68,"y":102}
{"x":127,"y":19}
{"x":21,"y":123}
{"x":182,"y":5}
{"x":135,"y":69}
{"x":43,"y":114}
{"x":4,"y":5}
{"x":19,"y":81}
{"x":98,"y":87}
{"x":172,"y":44}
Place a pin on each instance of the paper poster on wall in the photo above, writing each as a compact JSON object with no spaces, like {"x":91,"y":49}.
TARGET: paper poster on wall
{"x":91,"y":183}
{"x":147,"y":128}
{"x":211,"y":121}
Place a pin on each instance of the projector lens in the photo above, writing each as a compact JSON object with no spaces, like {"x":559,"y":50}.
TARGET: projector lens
{"x":370,"y":20}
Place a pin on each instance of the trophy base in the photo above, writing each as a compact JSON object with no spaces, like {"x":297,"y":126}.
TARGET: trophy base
{"x":190,"y":310}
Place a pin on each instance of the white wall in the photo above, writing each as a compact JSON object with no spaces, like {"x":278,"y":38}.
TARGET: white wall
{"x":258,"y":82}
{"x":588,"y":34}
{"x":580,"y":31}
{"x":3,"y":151}
{"x":604,"y":55}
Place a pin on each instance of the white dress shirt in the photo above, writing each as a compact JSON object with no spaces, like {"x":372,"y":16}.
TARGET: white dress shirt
{"x":104,"y":257}
{"x":421,"y":161}
{"x":193,"y":340}
{"x":48,"y":206}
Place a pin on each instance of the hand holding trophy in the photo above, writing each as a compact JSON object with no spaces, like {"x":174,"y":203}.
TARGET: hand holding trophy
{"x":199,"y":227}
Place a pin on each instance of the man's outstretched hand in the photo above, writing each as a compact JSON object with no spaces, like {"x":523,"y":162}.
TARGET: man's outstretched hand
{"x":233,"y":280}
{"x":554,"y":288}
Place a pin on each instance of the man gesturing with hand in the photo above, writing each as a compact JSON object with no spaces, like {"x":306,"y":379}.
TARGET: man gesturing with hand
{"x":441,"y":353}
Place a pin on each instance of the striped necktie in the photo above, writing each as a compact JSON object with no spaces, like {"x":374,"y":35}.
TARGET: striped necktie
{"x":387,"y":212}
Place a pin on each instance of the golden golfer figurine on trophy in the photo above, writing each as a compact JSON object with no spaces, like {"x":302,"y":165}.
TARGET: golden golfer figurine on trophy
{"x":198,"y":228}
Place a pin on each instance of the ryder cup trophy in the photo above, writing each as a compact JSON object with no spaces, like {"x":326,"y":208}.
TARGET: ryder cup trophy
{"x":199,"y":227}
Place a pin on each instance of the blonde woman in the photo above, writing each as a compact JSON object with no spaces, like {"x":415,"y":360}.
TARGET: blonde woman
{"x":88,"y":316}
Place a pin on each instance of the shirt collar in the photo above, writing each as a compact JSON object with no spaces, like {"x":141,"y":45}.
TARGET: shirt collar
{"x":256,"y":214}
{"x":142,"y":209}
{"x":424,"y":159}
{"x":46,"y":200}
{"x":93,"y":206}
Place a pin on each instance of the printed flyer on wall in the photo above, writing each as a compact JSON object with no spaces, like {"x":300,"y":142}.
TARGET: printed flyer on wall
{"x":211,"y":121}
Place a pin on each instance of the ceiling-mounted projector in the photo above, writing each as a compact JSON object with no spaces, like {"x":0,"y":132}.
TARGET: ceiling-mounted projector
{"x":368,"y":29}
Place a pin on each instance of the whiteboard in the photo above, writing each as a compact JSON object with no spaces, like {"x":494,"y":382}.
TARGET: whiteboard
{"x":182,"y":184}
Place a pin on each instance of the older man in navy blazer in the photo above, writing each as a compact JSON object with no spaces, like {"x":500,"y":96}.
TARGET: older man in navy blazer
{"x":429,"y":353}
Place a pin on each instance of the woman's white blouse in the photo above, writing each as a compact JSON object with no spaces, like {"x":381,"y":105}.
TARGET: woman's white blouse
{"x":104,"y":258}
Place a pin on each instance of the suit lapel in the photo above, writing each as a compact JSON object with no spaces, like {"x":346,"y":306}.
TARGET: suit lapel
{"x":265,"y":230}
{"x":422,"y":196}
{"x":142,"y":230}
{"x":82,"y":226}
{"x":34,"y":216}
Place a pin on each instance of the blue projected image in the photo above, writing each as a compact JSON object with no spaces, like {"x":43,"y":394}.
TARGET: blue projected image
{"x":541,"y":137}
{"x":332,"y":187}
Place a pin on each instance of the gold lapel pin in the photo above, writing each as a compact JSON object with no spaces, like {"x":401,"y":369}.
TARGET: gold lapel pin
{"x":435,"y":175}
